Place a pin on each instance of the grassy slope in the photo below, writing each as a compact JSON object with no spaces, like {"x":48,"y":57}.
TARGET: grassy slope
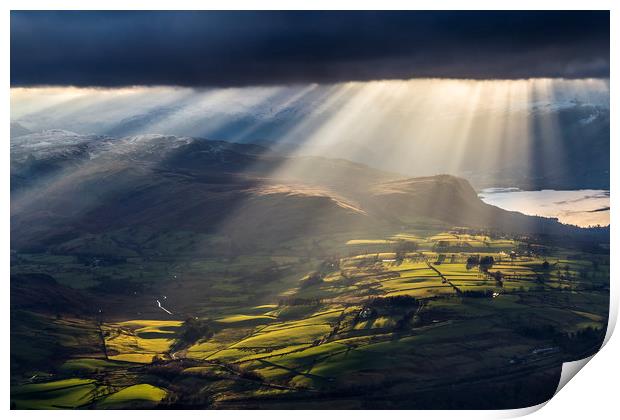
{"x":262,"y":352}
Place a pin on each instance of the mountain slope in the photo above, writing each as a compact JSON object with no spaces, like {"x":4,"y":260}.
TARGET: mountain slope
{"x":453,"y":200}
{"x":167,"y":183}
{"x":18,"y":130}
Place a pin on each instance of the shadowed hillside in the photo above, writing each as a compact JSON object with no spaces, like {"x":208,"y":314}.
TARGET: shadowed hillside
{"x":84,"y":185}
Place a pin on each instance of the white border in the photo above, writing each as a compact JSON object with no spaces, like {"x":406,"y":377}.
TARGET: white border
{"x":592,"y":394}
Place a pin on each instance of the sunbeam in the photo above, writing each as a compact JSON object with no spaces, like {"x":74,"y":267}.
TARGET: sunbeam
{"x":414,"y":127}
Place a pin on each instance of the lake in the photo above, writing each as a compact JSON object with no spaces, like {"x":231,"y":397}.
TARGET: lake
{"x":576,"y":207}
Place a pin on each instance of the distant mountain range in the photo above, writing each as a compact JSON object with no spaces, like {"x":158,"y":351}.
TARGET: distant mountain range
{"x":68,"y":189}
{"x":553,"y":145}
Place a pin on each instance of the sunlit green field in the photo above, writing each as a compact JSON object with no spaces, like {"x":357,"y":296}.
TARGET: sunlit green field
{"x":135,"y":394}
{"x":399,"y":314}
{"x":139,"y":341}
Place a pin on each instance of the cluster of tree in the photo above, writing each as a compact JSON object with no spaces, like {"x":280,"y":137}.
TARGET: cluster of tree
{"x":472,"y":261}
{"x":390,"y":304}
{"x":166,"y":368}
{"x":192,"y":330}
{"x":582,"y":343}
{"x":477,"y":293}
{"x":483,"y":263}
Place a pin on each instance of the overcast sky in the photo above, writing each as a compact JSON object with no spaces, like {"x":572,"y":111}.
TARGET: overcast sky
{"x":273,"y":48}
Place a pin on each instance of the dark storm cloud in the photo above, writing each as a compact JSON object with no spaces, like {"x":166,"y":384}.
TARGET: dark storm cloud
{"x":248,"y":48}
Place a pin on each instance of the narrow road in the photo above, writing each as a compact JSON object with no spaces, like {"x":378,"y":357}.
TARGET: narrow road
{"x":162,"y":308}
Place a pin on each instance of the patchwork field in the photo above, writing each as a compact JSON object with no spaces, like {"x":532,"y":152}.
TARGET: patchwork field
{"x":406,"y":315}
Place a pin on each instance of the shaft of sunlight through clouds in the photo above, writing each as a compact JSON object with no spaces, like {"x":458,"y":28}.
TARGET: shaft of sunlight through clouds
{"x":414,"y":127}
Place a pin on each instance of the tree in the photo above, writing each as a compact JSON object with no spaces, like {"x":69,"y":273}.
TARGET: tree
{"x":498,"y":276}
{"x":192,"y":330}
{"x":472,"y":261}
{"x":486,"y":263}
